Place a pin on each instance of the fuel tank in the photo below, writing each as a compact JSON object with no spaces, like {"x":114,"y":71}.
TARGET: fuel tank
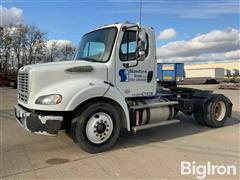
{"x":149,"y":114}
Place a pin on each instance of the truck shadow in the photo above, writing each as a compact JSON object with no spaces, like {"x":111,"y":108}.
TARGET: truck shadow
{"x":187,"y":126}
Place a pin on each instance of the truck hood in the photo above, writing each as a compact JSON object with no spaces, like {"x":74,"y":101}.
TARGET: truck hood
{"x":61,"y":65}
{"x":53,"y":78}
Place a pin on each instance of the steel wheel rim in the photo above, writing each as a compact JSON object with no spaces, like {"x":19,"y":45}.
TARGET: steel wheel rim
{"x":99,"y":128}
{"x":220,"y":111}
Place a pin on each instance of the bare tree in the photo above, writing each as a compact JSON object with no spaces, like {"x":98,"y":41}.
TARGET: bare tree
{"x":58,"y":50}
{"x":5,"y":47}
{"x":1,"y":49}
{"x":68,"y":51}
{"x":19,"y":43}
{"x":53,"y":51}
{"x":34,"y":44}
{"x":25,"y":44}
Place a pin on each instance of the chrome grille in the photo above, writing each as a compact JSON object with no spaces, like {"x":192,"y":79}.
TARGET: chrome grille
{"x":23,"y":87}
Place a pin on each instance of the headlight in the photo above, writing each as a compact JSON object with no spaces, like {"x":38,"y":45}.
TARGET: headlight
{"x":51,"y":99}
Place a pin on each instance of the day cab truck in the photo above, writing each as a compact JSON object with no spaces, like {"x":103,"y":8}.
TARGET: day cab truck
{"x":110,"y":85}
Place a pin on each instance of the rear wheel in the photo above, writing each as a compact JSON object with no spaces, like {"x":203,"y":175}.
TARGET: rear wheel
{"x":215,"y":111}
{"x":98,"y":127}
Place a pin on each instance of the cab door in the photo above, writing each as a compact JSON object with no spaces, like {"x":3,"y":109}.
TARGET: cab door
{"x":135,"y":78}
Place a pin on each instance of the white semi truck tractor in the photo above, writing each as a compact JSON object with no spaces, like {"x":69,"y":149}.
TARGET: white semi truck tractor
{"x":110,"y":85}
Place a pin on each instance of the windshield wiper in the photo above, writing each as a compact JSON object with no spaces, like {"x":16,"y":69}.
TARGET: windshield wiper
{"x":89,"y":59}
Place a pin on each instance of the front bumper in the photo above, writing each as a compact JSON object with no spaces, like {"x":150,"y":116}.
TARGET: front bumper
{"x":36,"y":123}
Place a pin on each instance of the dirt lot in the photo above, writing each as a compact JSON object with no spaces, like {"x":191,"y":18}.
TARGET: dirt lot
{"x":154,"y":153}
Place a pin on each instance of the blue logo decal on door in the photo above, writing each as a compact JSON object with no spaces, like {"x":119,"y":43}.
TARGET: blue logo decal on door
{"x":122,"y":75}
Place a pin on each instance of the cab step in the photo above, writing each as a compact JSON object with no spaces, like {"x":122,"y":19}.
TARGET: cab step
{"x":147,"y":126}
{"x":159,"y":104}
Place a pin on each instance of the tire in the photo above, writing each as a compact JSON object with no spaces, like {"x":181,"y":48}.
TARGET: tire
{"x":218,"y":111}
{"x":215,"y":111}
{"x":97,"y":127}
{"x":198,"y":112}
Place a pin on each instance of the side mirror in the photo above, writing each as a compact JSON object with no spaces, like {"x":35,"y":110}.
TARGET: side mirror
{"x":141,"y":55}
{"x":142,"y":35}
{"x":141,"y":44}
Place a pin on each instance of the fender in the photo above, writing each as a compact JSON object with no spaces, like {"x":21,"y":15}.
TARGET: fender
{"x":100,"y":90}
{"x":89,"y":92}
{"x":114,"y":94}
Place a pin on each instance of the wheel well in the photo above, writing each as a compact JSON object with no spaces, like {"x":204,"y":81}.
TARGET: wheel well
{"x":107,"y":100}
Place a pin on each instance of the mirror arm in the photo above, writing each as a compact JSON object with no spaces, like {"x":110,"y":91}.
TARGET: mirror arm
{"x":125,"y":28}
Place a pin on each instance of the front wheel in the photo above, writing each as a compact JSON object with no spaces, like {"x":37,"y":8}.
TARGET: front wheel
{"x":98,"y":127}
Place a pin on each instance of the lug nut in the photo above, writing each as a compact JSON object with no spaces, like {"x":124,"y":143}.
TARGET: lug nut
{"x":96,"y":116}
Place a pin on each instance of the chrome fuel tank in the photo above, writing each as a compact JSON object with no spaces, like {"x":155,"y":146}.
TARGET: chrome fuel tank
{"x":149,"y":114}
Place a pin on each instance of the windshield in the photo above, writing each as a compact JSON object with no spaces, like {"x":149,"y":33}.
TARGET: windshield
{"x":96,"y":46}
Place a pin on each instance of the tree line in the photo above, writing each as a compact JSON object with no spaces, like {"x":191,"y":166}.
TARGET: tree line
{"x":23,"y":44}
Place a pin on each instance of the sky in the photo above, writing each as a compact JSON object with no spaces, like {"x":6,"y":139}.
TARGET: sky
{"x":179,"y":24}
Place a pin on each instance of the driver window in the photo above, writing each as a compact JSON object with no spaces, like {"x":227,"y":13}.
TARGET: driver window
{"x":129,"y":45}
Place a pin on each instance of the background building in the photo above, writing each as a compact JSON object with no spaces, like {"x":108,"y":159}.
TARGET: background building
{"x":225,"y":65}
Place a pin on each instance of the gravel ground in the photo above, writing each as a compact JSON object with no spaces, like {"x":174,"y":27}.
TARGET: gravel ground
{"x":153,"y":153}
